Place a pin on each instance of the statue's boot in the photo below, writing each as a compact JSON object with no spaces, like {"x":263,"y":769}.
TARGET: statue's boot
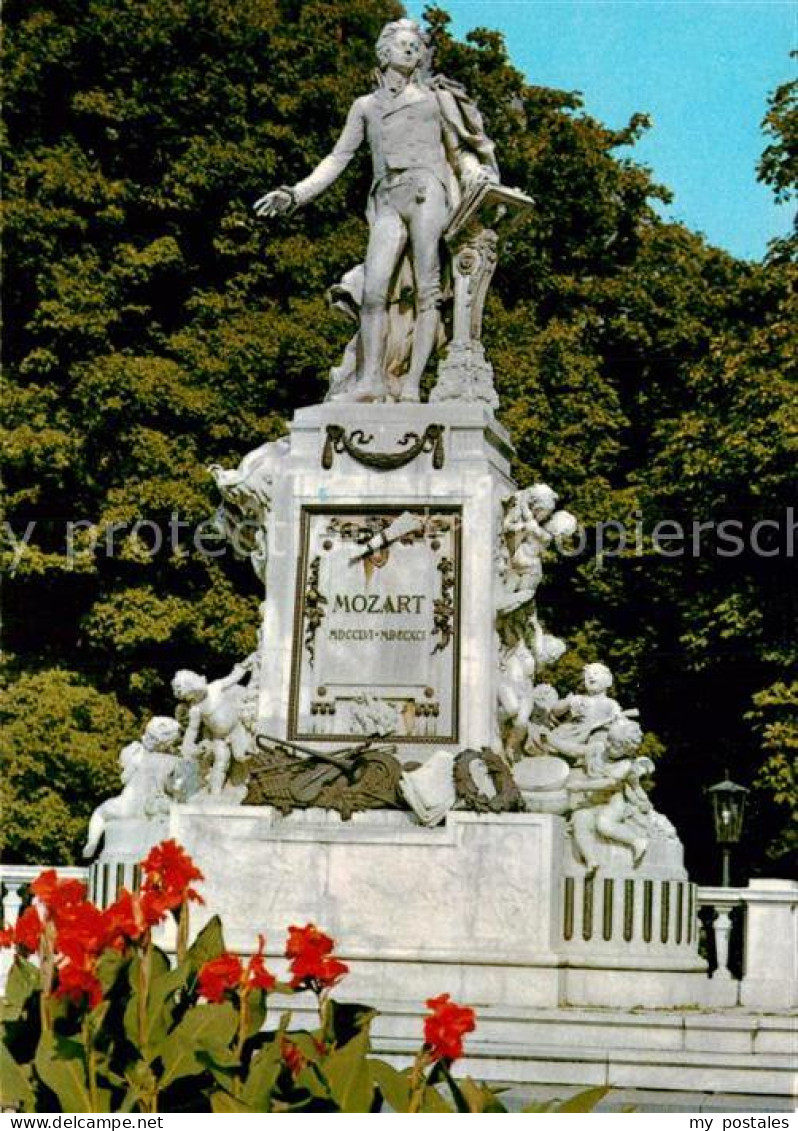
{"x":424,"y":338}
{"x":370,"y":385}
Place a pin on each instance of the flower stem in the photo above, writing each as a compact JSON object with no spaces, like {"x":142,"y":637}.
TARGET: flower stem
{"x":417,"y":1081}
{"x":182,"y":932}
{"x":91,"y":1063}
{"x":243,"y":1021}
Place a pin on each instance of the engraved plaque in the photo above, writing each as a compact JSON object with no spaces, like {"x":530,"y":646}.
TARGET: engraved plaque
{"x":376,"y":632}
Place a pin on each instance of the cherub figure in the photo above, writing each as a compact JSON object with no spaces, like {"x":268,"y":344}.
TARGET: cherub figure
{"x":531,"y":521}
{"x":613,"y":807}
{"x":217,"y":714}
{"x":585,"y":714}
{"x":520,"y":698}
{"x":146,"y":766}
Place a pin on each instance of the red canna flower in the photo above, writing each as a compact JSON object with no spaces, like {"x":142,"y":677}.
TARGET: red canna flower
{"x":81,"y":931}
{"x":445,"y":1028}
{"x":303,"y":939}
{"x":77,"y":981}
{"x":227,"y":974}
{"x":257,"y":977}
{"x":125,"y":920}
{"x":26,"y":933}
{"x":57,"y":894}
{"x":293,"y":1058}
{"x":220,"y":975}
{"x":168,"y":874}
{"x":312,"y":963}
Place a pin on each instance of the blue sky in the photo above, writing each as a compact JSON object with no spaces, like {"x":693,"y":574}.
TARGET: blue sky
{"x":701,"y":68}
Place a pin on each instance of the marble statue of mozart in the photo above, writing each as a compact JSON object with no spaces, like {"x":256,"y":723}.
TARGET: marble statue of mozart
{"x":428,"y":147}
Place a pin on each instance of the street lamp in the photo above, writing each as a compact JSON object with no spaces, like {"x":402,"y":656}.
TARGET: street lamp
{"x":728,"y":807}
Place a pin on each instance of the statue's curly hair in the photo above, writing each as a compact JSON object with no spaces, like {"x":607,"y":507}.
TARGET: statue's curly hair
{"x":392,"y":29}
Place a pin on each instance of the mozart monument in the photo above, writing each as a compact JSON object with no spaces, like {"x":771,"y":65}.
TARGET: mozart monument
{"x":392,"y":762}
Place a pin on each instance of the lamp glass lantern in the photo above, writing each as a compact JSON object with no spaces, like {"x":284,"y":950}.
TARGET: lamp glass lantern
{"x":728,"y":810}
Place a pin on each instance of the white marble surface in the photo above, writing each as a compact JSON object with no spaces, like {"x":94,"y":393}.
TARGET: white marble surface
{"x":474,"y":477}
{"x":474,"y":907}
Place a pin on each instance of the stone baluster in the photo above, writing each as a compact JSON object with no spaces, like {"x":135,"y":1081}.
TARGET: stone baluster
{"x":722,"y":930}
{"x":12,"y":902}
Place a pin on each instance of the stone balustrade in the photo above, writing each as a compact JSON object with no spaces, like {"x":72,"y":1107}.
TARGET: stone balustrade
{"x":765,"y":913}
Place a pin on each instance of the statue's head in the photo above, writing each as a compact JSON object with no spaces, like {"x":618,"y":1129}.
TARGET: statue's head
{"x":161,"y":733}
{"x":402,"y":44}
{"x":549,"y":648}
{"x":189,"y":685}
{"x":541,"y":500}
{"x":597,"y":678}
{"x":624,"y":737}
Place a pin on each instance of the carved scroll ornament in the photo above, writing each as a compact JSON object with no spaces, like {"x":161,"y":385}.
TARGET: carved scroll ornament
{"x":353,"y":443}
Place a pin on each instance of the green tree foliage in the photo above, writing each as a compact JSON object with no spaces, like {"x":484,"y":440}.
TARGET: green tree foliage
{"x":155,"y":327}
{"x":61,"y":743}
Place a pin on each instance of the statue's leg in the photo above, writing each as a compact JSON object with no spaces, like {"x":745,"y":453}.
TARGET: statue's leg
{"x":386,"y":244}
{"x":427,"y":221}
{"x":614,"y":829}
{"x":221,"y":763}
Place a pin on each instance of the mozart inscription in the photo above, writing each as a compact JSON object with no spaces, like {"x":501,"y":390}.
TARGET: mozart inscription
{"x":376,"y":636}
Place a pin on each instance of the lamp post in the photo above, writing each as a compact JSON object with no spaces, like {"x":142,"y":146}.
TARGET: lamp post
{"x":728,"y":807}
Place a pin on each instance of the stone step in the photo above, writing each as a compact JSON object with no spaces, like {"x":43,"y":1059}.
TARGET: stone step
{"x":586,"y":1065}
{"x":730,"y":1031}
{"x":681,"y":1050}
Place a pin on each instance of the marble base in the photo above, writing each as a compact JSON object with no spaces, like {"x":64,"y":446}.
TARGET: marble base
{"x":491,"y":909}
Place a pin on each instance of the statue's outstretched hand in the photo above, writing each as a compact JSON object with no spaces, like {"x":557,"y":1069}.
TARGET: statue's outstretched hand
{"x":274,"y":203}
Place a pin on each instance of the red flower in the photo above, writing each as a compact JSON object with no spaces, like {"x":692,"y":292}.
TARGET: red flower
{"x":27,"y":931}
{"x":168,"y":874}
{"x":220,"y":975}
{"x":257,"y":977}
{"x":57,"y":894}
{"x":293,"y":1058}
{"x":78,"y":981}
{"x":227,"y":974}
{"x":124,"y":919}
{"x":81,"y":931}
{"x":445,"y":1029}
{"x":312,"y":963}
{"x":303,"y":939}
{"x":6,"y":937}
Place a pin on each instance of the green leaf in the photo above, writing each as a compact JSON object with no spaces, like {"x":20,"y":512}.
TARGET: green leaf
{"x":205,"y":1027}
{"x":434,"y":1101}
{"x":460,"y":1102}
{"x":480,"y":1098}
{"x":110,"y":965}
{"x":15,"y":1089}
{"x":347,"y":1072}
{"x":223,"y":1064}
{"x":345,"y":1019}
{"x":61,"y":1065}
{"x":583,"y":1101}
{"x":24,"y":980}
{"x":208,"y":944}
{"x":264,"y":1071}
{"x":222,"y":1103}
{"x":148,"y":1031}
{"x":256,"y":1013}
{"x":392,"y":1083}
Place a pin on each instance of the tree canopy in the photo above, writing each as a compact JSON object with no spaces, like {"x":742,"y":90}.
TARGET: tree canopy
{"x":154,"y":327}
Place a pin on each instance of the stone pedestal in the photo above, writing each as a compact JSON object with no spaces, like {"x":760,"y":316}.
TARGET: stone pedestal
{"x":492,"y":909}
{"x":411,"y":626}
{"x":770,"y":978}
